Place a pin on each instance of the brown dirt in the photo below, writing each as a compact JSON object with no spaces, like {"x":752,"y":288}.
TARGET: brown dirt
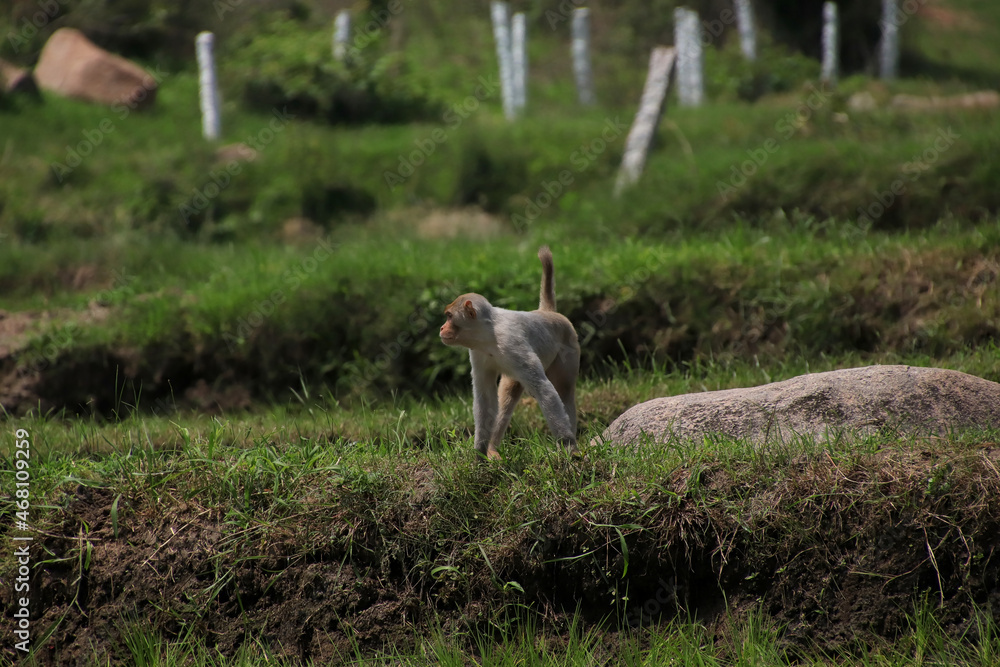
{"x":162,"y":567}
{"x":16,"y":328}
{"x":836,"y":554}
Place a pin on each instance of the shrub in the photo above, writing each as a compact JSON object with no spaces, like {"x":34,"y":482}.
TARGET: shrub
{"x":291,"y":65}
{"x":729,"y":75}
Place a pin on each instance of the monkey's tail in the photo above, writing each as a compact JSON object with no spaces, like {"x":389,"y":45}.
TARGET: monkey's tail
{"x":547,"y":298}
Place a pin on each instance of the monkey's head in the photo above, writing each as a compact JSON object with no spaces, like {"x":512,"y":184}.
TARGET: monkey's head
{"x":467,"y":321}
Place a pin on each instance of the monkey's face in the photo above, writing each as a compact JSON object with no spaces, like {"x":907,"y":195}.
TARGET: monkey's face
{"x":450,"y":328}
{"x":460,"y":322}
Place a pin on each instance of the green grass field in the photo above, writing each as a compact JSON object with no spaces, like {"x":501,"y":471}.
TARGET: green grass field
{"x":248,"y":445}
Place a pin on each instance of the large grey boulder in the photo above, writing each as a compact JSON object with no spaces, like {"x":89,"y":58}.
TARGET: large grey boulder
{"x":906,"y":400}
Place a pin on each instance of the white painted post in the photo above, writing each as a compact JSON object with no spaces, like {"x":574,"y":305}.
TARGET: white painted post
{"x":501,"y":34}
{"x":519,"y":55}
{"x":748,"y":34}
{"x":831,"y":45}
{"x":889,"y":47}
{"x":581,"y":56}
{"x":681,"y":44}
{"x":208,"y":88}
{"x":687,"y":40}
{"x":341,"y":34}
{"x":647,"y":118}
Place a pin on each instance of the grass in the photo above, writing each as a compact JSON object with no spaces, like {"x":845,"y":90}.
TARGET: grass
{"x":487,"y":162}
{"x":271,"y":441}
{"x":317,"y":315}
{"x":393,"y":491}
{"x":783,"y":263}
{"x":409,"y":419}
{"x":749,"y":643}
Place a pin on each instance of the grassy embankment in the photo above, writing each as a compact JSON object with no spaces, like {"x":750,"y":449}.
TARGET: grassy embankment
{"x":241,"y":528}
{"x":784,"y":264}
{"x":344,"y":508}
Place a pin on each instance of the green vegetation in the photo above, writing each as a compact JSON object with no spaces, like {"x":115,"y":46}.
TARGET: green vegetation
{"x":249,"y":446}
{"x":370,"y":509}
{"x":306,"y":79}
{"x":794,"y":287}
{"x":753,"y":642}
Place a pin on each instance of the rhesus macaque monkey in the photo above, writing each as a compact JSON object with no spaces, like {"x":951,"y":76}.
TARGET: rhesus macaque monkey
{"x":536,"y":350}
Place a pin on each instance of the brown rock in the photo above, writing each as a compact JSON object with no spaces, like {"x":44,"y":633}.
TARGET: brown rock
{"x":905,"y":400}
{"x":14,"y":79}
{"x":471,"y":222}
{"x":298,"y":230}
{"x":235,"y":153}
{"x":862,"y":101}
{"x":72,"y":66}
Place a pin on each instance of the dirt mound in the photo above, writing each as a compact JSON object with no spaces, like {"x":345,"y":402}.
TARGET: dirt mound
{"x":178,"y":569}
{"x":904,"y":400}
{"x":836,"y":552}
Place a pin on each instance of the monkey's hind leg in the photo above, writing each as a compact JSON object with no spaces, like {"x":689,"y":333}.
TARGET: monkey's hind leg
{"x":564,"y":380}
{"x":555,"y":413}
{"x":508,"y":393}
{"x":562,"y":374}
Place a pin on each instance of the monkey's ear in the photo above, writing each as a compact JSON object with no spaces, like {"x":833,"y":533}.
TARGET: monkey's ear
{"x":470,"y":310}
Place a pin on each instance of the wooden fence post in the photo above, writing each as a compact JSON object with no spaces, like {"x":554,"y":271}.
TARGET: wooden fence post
{"x":647,"y":118}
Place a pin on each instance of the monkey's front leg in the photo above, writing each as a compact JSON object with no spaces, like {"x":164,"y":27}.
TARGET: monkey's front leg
{"x":484,"y":405}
